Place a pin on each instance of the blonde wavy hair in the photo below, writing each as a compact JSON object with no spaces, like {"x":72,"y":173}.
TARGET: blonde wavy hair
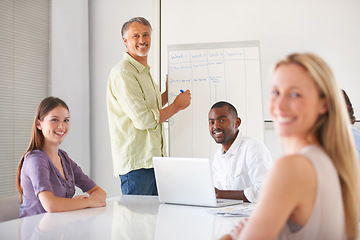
{"x":333,"y":131}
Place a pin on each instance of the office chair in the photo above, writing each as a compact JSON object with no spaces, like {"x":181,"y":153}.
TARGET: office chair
{"x":9,"y":207}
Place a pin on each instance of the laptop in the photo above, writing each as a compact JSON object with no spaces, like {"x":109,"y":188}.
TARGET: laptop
{"x":187,"y":181}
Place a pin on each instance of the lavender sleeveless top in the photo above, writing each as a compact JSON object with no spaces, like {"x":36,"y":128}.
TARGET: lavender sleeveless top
{"x":40,"y":174}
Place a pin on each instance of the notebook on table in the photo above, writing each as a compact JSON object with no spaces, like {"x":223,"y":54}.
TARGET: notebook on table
{"x":187,"y":181}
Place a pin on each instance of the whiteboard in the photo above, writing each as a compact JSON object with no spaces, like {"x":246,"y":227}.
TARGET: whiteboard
{"x":213,"y":72}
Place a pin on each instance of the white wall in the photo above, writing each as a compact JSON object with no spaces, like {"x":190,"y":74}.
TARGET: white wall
{"x":83,"y":85}
{"x":70,"y":74}
{"x":106,"y":49}
{"x":329,"y":28}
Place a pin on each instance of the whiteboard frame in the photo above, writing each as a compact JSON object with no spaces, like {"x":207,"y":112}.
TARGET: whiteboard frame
{"x":253,"y":122}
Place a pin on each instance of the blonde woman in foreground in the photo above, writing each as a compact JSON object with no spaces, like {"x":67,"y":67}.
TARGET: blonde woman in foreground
{"x":312,"y":192}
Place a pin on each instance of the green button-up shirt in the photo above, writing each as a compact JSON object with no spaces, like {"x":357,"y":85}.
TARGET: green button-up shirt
{"x":133,"y":103}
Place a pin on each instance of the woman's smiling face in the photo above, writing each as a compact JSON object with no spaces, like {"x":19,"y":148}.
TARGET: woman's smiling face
{"x":295,"y":103}
{"x":55,"y":125}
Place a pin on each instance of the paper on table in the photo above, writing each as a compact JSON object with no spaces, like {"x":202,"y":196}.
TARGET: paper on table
{"x":234,"y":211}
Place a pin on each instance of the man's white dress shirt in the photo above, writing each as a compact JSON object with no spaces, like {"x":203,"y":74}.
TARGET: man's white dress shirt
{"x":242,"y":167}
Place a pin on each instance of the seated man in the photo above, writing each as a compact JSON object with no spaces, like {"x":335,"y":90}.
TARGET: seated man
{"x":355,"y":131}
{"x":241,"y":164}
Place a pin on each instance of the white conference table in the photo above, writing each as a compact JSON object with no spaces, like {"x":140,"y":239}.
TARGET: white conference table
{"x":124,"y":217}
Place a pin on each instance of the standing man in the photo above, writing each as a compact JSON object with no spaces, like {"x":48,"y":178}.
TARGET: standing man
{"x":135,"y":112}
{"x":241,"y":164}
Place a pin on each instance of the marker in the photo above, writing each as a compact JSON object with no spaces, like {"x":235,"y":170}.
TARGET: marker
{"x":181,"y":91}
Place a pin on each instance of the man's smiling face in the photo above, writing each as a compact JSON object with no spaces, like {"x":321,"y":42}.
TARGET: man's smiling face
{"x":223,"y":125}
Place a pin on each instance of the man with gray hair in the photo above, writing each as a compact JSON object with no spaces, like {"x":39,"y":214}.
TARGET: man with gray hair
{"x":136,"y":113}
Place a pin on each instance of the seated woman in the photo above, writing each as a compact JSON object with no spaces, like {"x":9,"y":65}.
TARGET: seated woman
{"x":312,"y":192}
{"x":46,"y":176}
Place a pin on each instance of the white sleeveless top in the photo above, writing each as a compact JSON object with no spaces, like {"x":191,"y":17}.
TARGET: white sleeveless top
{"x":327,"y":220}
